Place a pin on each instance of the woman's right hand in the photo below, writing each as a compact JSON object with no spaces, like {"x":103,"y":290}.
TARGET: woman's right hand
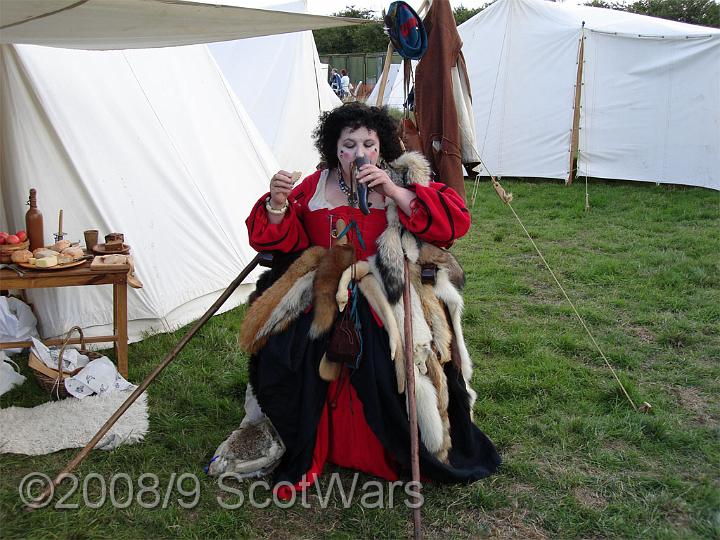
{"x":281,"y":186}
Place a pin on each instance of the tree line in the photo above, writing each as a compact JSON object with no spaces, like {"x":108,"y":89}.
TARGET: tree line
{"x":372,"y":38}
{"x":366,"y":38}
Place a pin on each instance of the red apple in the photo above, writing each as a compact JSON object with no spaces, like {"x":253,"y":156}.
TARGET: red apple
{"x":3,"y":235}
{"x":22,"y":235}
{"x":12,"y":239}
{"x":2,"y":240}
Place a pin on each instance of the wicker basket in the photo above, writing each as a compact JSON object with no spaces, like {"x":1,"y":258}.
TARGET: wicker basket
{"x":53,"y":380}
{"x":6,"y":250}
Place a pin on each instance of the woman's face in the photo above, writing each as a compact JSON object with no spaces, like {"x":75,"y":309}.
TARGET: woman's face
{"x":354,"y":143}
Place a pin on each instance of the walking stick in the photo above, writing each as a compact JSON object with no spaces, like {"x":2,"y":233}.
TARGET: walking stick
{"x":412,"y":406}
{"x":49,"y":490}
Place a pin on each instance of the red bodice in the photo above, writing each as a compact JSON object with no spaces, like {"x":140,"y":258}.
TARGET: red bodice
{"x":438,"y":215}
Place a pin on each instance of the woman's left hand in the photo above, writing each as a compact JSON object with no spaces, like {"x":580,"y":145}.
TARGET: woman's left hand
{"x":378,"y":180}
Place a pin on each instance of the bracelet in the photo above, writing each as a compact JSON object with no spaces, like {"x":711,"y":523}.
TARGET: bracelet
{"x":276,"y":211}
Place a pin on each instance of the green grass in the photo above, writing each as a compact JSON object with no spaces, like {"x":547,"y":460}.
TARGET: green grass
{"x":642,"y":266}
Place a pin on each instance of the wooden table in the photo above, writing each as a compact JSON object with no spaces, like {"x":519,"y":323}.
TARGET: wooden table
{"x":72,"y":277}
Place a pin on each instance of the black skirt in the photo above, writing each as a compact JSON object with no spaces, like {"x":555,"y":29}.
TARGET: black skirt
{"x":290,"y":392}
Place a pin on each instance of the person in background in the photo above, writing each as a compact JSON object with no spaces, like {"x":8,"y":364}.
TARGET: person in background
{"x":345,"y":86}
{"x":335,"y":82}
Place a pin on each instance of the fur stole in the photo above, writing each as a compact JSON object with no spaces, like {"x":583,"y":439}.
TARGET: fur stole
{"x":269,"y":302}
{"x":435,"y":334}
{"x":410,"y":168}
{"x":325,"y":286}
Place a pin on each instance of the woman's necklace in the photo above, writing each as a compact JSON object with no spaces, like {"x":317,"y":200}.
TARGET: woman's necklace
{"x":352,"y":197}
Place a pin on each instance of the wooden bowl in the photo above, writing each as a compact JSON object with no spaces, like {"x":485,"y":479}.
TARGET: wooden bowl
{"x":6,"y":250}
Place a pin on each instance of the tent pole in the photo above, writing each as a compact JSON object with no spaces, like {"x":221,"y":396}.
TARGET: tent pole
{"x":50,"y":489}
{"x":575,"y":135}
{"x":384,"y":76}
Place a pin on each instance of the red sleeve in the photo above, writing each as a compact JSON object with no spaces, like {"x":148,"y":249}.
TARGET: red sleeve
{"x":287,"y":236}
{"x":438,"y":215}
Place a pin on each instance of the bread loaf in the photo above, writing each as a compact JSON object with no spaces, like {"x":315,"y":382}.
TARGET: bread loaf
{"x":114,"y":245}
{"x":74,"y":252}
{"x":41,"y":253}
{"x":21,"y":256}
{"x":60,"y":245}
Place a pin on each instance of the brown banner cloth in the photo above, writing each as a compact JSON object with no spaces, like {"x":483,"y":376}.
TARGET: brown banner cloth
{"x":435,"y":112}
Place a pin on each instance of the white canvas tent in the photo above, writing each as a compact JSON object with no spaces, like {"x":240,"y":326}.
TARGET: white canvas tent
{"x":287,"y":93}
{"x":152,"y":143}
{"x":394,"y":95}
{"x":650,"y":97}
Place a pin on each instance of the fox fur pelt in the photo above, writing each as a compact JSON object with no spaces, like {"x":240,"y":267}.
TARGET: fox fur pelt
{"x":261,"y":309}
{"x":293,"y":304}
{"x":437,"y":377}
{"x":428,"y":413}
{"x":355,"y":272}
{"x":325,"y":286}
{"x":410,"y":168}
{"x":372,"y":291}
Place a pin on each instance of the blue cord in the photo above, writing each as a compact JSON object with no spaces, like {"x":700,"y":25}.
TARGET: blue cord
{"x":356,"y":321}
{"x":206,"y":468}
{"x":353,"y":225}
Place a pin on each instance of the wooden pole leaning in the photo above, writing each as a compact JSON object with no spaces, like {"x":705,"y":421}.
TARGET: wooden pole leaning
{"x":575,"y":131}
{"x":384,"y":76}
{"x":50,"y":489}
{"x":412,"y":405}
{"x":424,"y":8}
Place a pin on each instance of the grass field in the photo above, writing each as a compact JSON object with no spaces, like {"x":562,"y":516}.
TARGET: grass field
{"x":643,"y":267}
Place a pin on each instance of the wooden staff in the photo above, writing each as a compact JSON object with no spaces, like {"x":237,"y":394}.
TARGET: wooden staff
{"x":49,"y":491}
{"x":412,"y":405}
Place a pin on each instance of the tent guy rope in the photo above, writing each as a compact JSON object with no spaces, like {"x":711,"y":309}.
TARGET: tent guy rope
{"x":507,"y":199}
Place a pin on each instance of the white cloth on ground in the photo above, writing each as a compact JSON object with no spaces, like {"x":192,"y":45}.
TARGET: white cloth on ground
{"x":17,"y":322}
{"x":9,"y":377}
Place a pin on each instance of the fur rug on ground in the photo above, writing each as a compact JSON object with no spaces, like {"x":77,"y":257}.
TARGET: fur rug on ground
{"x":71,"y":423}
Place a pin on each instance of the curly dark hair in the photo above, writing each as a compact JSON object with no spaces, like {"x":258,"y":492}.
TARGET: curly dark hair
{"x":356,"y":115}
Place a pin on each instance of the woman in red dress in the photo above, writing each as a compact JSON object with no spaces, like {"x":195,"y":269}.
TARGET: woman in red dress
{"x":358,"y":417}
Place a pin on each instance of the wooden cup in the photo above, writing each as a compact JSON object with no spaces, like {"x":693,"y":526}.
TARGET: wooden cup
{"x":91,"y":238}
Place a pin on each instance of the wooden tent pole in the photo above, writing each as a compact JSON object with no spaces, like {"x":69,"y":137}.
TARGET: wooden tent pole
{"x":384,"y":76}
{"x":575,"y":135}
{"x":50,"y":489}
{"x":412,"y":405}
